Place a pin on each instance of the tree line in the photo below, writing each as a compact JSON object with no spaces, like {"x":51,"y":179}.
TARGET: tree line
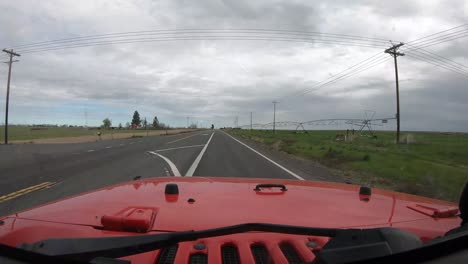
{"x":137,"y":122}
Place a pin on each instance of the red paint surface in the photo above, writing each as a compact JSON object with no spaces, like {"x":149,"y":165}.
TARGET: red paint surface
{"x":226,"y":201}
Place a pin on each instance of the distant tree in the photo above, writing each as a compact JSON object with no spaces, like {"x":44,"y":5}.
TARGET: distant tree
{"x":120,"y":125}
{"x":127,"y":125}
{"x":145,"y":123}
{"x":156,"y":122}
{"x":136,"y":121}
{"x":106,"y":123}
{"x":163,"y":126}
{"x":193,"y":125}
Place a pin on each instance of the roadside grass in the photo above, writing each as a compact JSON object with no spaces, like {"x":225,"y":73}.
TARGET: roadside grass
{"x":428,"y":163}
{"x":27,"y":133}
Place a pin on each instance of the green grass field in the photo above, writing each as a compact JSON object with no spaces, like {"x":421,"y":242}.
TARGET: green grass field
{"x":26,"y":133}
{"x":431,"y":164}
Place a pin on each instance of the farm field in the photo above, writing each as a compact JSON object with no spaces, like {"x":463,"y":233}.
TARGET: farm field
{"x":425,"y":163}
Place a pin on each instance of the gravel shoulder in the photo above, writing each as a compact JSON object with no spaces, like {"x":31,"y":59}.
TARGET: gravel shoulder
{"x":311,"y":170}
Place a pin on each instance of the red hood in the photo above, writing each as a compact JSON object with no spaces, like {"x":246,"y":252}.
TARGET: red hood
{"x":227,"y":201}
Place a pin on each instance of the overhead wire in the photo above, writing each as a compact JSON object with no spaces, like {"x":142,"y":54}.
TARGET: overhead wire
{"x":417,"y":45}
{"x":440,"y":57}
{"x":191,"y":31}
{"x":440,"y":40}
{"x":437,"y":33}
{"x":270,"y":35}
{"x":342,"y":75}
{"x":208,"y":37}
{"x":435,"y":59}
{"x":435,"y":63}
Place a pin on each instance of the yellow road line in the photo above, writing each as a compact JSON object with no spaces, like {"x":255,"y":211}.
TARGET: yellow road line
{"x":25,"y":191}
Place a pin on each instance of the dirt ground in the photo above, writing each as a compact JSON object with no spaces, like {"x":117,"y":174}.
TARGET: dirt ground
{"x":93,"y":138}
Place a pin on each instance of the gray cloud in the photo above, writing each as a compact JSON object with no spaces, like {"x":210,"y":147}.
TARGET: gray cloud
{"x":216,"y":81}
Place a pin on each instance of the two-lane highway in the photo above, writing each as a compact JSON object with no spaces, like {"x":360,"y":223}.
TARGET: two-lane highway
{"x":31,"y":175}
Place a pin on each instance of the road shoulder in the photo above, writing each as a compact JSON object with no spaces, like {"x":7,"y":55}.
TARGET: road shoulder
{"x":310,"y":170}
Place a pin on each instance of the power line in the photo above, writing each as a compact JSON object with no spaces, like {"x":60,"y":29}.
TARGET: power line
{"x":138,"y":40}
{"x":376,"y":61}
{"x":447,"y":66}
{"x":437,"y":33}
{"x":440,"y":40}
{"x":343,"y":71}
{"x":434,"y":63}
{"x":335,"y":78}
{"x":440,"y":57}
{"x":191,"y":31}
{"x":258,"y":34}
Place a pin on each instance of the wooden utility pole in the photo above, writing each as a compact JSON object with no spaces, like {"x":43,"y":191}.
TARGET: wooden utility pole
{"x":274,"y":116}
{"x":250,"y":121}
{"x":10,"y":62}
{"x":393,"y":51}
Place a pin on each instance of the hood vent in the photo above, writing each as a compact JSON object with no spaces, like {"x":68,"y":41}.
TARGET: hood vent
{"x":260,"y":254}
{"x":290,"y":253}
{"x":230,"y":254}
{"x":198,"y":258}
{"x":167,"y":255}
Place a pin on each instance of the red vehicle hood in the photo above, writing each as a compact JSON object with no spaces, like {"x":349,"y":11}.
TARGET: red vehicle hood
{"x":228,"y":201}
{"x":220,"y":202}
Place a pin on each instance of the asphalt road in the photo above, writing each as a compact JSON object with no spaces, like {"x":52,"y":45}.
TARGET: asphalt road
{"x":33,"y":174}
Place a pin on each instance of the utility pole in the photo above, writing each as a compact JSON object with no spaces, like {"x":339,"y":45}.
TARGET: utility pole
{"x":250,"y":121}
{"x":187,"y":121}
{"x":393,"y":51}
{"x":10,"y":62}
{"x":274,"y":116}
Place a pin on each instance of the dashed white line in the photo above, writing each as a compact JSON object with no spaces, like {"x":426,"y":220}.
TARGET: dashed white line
{"x":91,"y":150}
{"x":122,"y":144}
{"x":192,"y":146}
{"x":170,"y":142}
{"x":195,"y":163}
{"x":265,"y":157}
{"x":131,"y":143}
{"x":173,"y":167}
{"x":108,"y":147}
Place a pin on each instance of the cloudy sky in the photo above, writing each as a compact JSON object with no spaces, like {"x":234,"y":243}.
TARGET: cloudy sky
{"x":215,"y":81}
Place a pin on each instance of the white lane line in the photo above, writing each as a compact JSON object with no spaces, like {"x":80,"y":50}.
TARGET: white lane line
{"x":122,"y":144}
{"x":139,"y":141}
{"x":265,"y":157}
{"x":132,"y":143}
{"x":108,"y":147}
{"x":91,"y":150}
{"x":173,"y":167}
{"x":192,"y":146}
{"x":170,"y":142}
{"x":195,"y":163}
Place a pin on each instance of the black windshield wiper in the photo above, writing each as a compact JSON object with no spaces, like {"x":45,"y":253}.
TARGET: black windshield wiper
{"x":86,"y":249}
